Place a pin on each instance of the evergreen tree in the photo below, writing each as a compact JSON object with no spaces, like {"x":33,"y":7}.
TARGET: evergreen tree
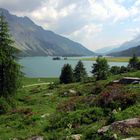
{"x":133,"y":62}
{"x":79,"y":72}
{"x":100,"y":69}
{"x":9,"y":69}
{"x":115,"y":70}
{"x":66,"y":74}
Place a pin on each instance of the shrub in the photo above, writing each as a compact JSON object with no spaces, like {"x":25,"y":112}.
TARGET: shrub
{"x":115,"y":97}
{"x":97,"y":89}
{"x":76,"y":118}
{"x":4,"y":105}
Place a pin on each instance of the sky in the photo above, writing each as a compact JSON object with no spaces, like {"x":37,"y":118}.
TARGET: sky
{"x":93,"y":23}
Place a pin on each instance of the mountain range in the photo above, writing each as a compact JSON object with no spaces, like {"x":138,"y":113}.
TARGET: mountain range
{"x":127,"y":48}
{"x":129,"y":52}
{"x":33,"y":40}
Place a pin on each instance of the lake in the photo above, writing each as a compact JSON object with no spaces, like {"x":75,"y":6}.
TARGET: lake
{"x":46,"y":67}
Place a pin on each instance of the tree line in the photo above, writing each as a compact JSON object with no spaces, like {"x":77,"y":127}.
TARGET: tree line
{"x":100,"y":70}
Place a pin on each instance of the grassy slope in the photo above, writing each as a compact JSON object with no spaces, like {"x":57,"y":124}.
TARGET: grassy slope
{"x":29,"y":81}
{"x":26,"y":121}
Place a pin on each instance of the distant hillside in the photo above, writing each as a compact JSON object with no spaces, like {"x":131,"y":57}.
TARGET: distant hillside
{"x":128,"y":52}
{"x":33,"y":40}
{"x":129,"y":44}
{"x":106,"y":50}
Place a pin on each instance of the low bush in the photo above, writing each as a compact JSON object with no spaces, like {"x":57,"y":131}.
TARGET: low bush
{"x":4,"y":105}
{"x":75,"y":119}
{"x":116,"y":96}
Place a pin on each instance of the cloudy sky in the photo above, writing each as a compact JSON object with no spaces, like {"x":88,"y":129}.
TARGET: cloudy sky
{"x":94,"y":23}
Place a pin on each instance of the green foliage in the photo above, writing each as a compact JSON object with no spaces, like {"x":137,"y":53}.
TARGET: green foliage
{"x":116,"y":96}
{"x":133,"y":63}
{"x":76,"y":118}
{"x":100,"y":69}
{"x":4,"y":105}
{"x":79,"y":72}
{"x":66,"y":74}
{"x":9,"y":69}
{"x":115,"y":70}
{"x":123,"y":69}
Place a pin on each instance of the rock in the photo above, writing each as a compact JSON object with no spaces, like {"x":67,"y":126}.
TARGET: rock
{"x":70,"y":92}
{"x":45,"y":115}
{"x":129,"y":123}
{"x":104,"y":129}
{"x":76,"y":137}
{"x":131,"y":138}
{"x":36,"y":138}
{"x":47,"y":94}
{"x":121,"y":126}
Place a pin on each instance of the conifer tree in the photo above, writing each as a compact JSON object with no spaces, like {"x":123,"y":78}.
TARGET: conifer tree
{"x":100,"y":69}
{"x":79,"y":72}
{"x":9,"y":69}
{"x":66,"y":74}
{"x":133,"y":62}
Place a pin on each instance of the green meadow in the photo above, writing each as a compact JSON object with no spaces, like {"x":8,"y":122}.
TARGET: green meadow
{"x":53,"y":112}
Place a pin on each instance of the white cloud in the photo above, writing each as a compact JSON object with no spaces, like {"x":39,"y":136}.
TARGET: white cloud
{"x":135,"y":31}
{"x":80,"y":20}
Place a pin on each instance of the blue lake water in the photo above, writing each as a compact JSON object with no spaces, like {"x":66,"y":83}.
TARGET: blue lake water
{"x":46,"y":67}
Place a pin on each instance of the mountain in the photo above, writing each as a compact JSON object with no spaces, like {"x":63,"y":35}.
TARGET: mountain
{"x":128,"y":52}
{"x":129,"y":44}
{"x":106,"y":50}
{"x":33,"y":40}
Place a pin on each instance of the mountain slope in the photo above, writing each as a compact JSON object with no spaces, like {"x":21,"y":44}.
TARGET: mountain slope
{"x":106,"y":50}
{"x":33,"y":40}
{"x":128,"y":52}
{"x":129,"y":44}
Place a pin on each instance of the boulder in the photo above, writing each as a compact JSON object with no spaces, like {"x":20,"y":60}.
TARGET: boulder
{"x":36,"y":138}
{"x":122,"y":126}
{"x":132,"y":138}
{"x":70,"y":93}
{"x":76,"y":137}
{"x":104,"y":129}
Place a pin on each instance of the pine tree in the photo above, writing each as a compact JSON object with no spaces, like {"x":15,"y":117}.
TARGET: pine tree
{"x":66,"y":74}
{"x":79,"y":72}
{"x":9,"y":69}
{"x":100,"y":69}
{"x":133,"y":62}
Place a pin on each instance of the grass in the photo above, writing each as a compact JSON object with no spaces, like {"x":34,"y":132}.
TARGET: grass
{"x":37,"y":105}
{"x":110,"y":59}
{"x":29,"y":81}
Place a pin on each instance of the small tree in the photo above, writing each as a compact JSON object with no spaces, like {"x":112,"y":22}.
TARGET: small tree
{"x":66,"y":74}
{"x":100,"y":69}
{"x":79,"y":72}
{"x":115,"y":70}
{"x":124,"y":69}
{"x":9,"y":69}
{"x":133,"y":62}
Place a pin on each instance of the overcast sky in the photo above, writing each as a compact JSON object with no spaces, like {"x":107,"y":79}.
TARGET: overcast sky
{"x":94,"y":23}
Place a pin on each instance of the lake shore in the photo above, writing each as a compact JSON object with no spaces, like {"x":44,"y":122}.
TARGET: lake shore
{"x":109,"y":59}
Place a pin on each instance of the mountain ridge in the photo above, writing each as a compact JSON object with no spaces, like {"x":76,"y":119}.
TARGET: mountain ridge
{"x":128,"y":44}
{"x":33,"y":40}
{"x":127,"y":53}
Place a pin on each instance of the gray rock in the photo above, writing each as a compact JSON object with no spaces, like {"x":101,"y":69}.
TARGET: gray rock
{"x":36,"y":138}
{"x":131,"y":138}
{"x":76,"y":137}
{"x":104,"y":129}
{"x":121,"y":125}
{"x":70,"y":92}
